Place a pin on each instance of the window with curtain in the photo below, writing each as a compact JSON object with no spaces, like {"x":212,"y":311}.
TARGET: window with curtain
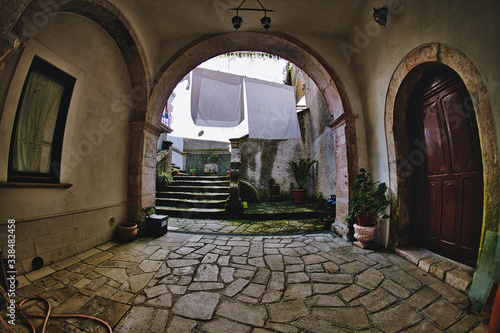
{"x":37,"y":137}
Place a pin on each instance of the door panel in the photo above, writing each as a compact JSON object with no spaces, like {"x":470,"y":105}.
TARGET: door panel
{"x":470,"y":211}
{"x":435,"y":150}
{"x":431,"y":228}
{"x":462,"y":157}
{"x":447,"y":189}
{"x":450,"y":203}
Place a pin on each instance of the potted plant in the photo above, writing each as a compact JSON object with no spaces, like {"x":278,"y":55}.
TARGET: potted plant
{"x":164,"y":179}
{"x":368,"y":200}
{"x":175,"y":172}
{"x":300,"y":170}
{"x":193,"y":172}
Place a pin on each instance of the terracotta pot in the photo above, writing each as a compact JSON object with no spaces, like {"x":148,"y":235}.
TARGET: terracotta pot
{"x":364,"y":235}
{"x":365,"y":220}
{"x":299,"y":195}
{"x":228,"y":173}
{"x":127,"y":231}
{"x":175,"y":172}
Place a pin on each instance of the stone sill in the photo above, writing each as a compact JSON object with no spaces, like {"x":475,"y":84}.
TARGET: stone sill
{"x":451,"y":272}
{"x":34,"y":185}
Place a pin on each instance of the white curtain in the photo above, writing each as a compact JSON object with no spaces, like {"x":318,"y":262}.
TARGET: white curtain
{"x":216,"y":98}
{"x":272,"y":111}
{"x":36,"y":123}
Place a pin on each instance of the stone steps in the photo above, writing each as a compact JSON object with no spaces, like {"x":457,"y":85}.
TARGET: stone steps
{"x":450,"y":272}
{"x":194,"y":196}
{"x":205,"y":213}
{"x":189,"y":195}
{"x":191,"y":183}
{"x":191,"y":202}
{"x":197,"y":189}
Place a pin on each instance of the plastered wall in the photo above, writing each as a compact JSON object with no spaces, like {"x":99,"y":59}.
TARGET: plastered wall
{"x":376,"y":53}
{"x":55,"y":223}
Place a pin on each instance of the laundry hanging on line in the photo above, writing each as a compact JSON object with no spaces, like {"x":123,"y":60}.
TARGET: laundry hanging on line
{"x":272,"y":111}
{"x":216,"y":98}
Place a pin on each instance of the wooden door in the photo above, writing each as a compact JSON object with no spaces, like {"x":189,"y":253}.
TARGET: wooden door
{"x":447,"y":185}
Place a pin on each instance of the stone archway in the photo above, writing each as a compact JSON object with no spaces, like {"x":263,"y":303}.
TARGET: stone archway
{"x":21,"y":20}
{"x":298,"y":53}
{"x":403,"y":80}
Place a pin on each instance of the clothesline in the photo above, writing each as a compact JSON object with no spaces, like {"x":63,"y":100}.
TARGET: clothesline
{"x":218,"y":100}
{"x":244,"y":75}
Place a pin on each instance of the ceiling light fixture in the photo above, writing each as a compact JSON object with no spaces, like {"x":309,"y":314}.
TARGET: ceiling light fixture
{"x":380,"y":15}
{"x":265,"y":21}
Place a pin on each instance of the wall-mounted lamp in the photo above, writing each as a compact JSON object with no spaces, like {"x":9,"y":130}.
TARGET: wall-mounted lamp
{"x":380,"y":15}
{"x":265,"y":21}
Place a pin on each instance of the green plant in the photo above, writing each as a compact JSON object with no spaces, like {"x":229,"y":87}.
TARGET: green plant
{"x":193,"y":170}
{"x":367,"y":197}
{"x":301,"y":169}
{"x":320,"y":201}
{"x":212,"y":158}
{"x":164,"y":177}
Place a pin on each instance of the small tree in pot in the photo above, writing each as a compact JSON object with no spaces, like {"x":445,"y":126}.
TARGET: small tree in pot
{"x":368,"y":200}
{"x":300,"y":171}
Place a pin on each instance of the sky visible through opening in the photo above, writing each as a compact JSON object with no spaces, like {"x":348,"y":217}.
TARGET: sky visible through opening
{"x":258,"y":68}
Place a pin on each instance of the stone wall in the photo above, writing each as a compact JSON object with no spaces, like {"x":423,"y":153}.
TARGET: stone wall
{"x":197,"y":152}
{"x":263,"y":160}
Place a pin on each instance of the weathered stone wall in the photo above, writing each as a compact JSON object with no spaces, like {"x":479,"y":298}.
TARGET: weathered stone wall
{"x":197,"y":152}
{"x":263,"y":160}
{"x":55,"y":223}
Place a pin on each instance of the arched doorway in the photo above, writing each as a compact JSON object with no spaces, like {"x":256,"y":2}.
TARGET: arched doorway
{"x":447,"y":181}
{"x":296,"y":52}
{"x":405,"y":77}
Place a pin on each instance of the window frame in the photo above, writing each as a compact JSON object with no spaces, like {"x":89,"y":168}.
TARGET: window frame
{"x":52,"y":72}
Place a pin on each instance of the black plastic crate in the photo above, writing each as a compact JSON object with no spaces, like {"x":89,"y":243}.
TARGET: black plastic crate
{"x":157,"y":224}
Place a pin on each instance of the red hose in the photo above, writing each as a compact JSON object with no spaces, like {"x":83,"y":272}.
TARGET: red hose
{"x":46,"y":317}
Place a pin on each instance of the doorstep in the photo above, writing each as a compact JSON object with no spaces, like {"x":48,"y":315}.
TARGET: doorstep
{"x":451,"y":272}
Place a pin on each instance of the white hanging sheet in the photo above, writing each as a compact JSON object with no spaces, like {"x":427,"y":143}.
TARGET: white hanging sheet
{"x":272,"y":111}
{"x":216,"y":98}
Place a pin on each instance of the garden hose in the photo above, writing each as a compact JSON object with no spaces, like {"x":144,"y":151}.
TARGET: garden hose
{"x":46,"y":316}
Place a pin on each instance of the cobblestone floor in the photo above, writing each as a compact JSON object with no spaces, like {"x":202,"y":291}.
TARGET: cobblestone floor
{"x":245,"y":227}
{"x":184,"y":282}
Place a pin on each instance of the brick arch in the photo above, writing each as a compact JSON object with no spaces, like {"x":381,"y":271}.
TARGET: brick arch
{"x":406,"y":75}
{"x":288,"y":48}
{"x":22,"y":19}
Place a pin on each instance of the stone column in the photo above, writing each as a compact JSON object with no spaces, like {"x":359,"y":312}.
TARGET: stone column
{"x":346,"y":165}
{"x":234,"y":203}
{"x":170,"y":152}
{"x":141,"y":168}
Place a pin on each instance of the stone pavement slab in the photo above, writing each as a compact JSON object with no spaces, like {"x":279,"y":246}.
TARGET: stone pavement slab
{"x":183,"y":282}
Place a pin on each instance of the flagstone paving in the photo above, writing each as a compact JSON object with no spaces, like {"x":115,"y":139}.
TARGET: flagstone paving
{"x":245,"y":226}
{"x":185,"y":282}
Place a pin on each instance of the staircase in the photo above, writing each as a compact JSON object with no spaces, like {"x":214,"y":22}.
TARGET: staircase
{"x":194,"y":197}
